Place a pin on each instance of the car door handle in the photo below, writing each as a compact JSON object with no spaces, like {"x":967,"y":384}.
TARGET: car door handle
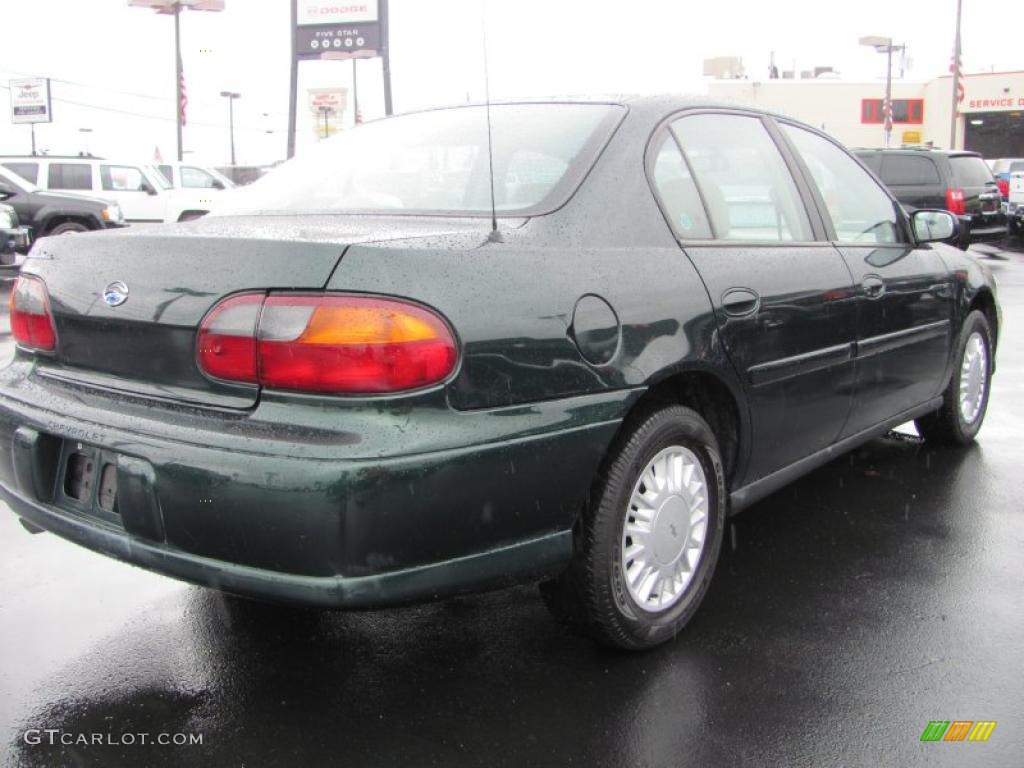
{"x":874,"y":286}
{"x":738,"y":302}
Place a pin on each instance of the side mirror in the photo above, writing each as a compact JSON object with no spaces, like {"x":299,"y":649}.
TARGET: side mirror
{"x":934,"y":226}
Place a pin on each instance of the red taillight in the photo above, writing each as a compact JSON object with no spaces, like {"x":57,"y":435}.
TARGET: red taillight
{"x":31,"y":321}
{"x":955,"y":202}
{"x":326,"y":343}
{"x":1004,"y":187}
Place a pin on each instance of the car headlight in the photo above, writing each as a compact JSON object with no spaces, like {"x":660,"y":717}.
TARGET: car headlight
{"x":113,"y":213}
{"x":8,"y":218}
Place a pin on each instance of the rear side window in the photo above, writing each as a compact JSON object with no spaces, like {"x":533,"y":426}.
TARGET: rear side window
{"x":743,"y":180}
{"x":122,"y":178}
{"x":909,"y":170}
{"x":970,"y":171}
{"x":861,"y":212}
{"x":27,"y":171}
{"x":677,"y":191}
{"x":70,"y":176}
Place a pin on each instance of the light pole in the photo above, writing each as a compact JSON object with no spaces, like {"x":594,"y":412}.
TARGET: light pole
{"x":326,"y":112}
{"x":174,"y":7}
{"x":231,"y":96}
{"x":885,"y":45}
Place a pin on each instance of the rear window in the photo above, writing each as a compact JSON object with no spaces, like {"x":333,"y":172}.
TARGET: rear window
{"x":1016,"y":166}
{"x":70,"y":176}
{"x":872,"y":160}
{"x":909,"y":169}
{"x":437,"y":162}
{"x":970,"y":171}
{"x":27,"y":171}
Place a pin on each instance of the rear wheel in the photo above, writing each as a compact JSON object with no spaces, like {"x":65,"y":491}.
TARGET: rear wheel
{"x":650,"y":536}
{"x":966,"y":397}
{"x":68,"y":226}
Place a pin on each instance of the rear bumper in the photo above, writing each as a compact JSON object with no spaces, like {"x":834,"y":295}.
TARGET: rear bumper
{"x":283,"y":522}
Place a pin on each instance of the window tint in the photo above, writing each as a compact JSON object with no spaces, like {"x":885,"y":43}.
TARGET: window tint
{"x":909,"y":169}
{"x":122,"y":178}
{"x":195,"y":178}
{"x":70,"y":176}
{"x":677,"y":192}
{"x":860,"y":211}
{"x":743,"y":179}
{"x":27,"y":171}
{"x":872,"y":160}
{"x":970,"y":171}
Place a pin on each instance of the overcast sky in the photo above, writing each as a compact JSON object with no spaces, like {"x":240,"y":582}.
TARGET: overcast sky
{"x":113,"y":66}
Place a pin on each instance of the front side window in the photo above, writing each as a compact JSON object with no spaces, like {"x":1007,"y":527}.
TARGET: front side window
{"x":196,"y":178}
{"x":860,"y":211}
{"x":437,"y":162}
{"x":743,"y":180}
{"x":69,"y":176}
{"x":122,"y":178}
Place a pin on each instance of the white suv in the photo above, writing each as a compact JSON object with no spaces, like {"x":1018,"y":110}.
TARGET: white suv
{"x":141,"y":190}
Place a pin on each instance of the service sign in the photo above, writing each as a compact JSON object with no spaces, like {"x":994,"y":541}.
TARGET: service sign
{"x":30,"y":100}
{"x":328,"y":30}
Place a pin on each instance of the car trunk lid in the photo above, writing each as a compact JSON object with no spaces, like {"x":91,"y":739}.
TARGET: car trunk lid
{"x":174,"y":275}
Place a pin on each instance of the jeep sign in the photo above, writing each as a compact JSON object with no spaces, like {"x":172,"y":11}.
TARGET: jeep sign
{"x":30,"y":100}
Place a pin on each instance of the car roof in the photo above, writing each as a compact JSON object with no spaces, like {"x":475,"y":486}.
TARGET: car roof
{"x":33,"y":158}
{"x":915,"y":151}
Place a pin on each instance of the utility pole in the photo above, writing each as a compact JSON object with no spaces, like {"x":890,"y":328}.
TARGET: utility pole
{"x":231,"y":96}
{"x":385,"y":32}
{"x":956,"y":80}
{"x":177,"y":75}
{"x":293,"y":82}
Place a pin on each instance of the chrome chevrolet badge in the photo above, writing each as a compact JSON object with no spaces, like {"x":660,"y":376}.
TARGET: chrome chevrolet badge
{"x":115,"y":294}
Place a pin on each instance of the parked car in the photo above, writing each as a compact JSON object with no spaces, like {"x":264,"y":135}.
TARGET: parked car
{"x":357,"y":386}
{"x":960,"y":182}
{"x":192,"y":176}
{"x":50,"y":213}
{"x":1015,"y":204}
{"x":14,"y":241}
{"x":1001,"y":169}
{"x":142,"y":192}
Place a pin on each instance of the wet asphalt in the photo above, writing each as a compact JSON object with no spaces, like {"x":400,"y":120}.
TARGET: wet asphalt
{"x":879,"y":593}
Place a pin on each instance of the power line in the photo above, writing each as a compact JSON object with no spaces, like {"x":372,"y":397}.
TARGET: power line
{"x":147,"y":116}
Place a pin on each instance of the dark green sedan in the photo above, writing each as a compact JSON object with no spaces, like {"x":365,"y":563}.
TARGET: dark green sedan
{"x":386,"y":372}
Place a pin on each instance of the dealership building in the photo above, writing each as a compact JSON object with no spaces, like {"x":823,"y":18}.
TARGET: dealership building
{"x":990,"y":120}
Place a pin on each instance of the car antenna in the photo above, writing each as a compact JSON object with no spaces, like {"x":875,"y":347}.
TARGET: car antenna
{"x":495,"y":235}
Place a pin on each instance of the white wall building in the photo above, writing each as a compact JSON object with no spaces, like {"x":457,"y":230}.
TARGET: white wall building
{"x":991,"y":119}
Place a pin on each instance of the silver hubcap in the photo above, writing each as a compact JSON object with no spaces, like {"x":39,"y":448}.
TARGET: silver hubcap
{"x":973,"y":378}
{"x":666,"y":524}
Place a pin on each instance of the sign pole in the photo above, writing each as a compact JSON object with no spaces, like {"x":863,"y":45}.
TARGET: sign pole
{"x":385,"y":31}
{"x":33,"y":127}
{"x":293,"y":82}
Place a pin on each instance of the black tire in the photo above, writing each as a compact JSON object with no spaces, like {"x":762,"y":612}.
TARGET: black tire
{"x":592,"y":596}
{"x":68,"y":226}
{"x":947,"y":426}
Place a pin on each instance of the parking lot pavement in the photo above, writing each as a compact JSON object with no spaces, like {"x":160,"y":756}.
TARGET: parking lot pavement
{"x":849,"y":610}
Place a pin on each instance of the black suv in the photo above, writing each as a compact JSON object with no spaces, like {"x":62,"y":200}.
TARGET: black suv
{"x":958,"y":181}
{"x":52,"y":213}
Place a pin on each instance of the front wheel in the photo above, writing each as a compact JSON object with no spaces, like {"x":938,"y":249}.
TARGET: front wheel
{"x":650,"y":537}
{"x":965,"y":400}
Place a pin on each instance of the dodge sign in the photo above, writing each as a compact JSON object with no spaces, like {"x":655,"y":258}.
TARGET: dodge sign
{"x":337,"y":29}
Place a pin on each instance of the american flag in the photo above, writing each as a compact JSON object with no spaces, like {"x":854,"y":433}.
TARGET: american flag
{"x":184,"y":96}
{"x":956,"y":67}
